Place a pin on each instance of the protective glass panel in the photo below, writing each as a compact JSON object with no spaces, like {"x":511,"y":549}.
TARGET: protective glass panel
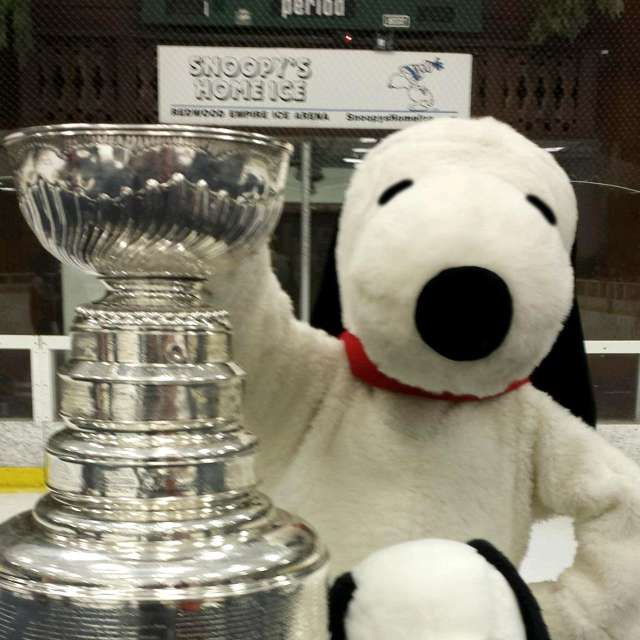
{"x":15,"y":384}
{"x":615,"y":383}
{"x":30,"y":285}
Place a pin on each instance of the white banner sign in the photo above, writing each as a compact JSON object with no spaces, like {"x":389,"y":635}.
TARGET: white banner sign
{"x":310,"y":87}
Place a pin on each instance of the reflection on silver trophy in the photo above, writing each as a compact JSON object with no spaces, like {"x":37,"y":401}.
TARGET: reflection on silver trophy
{"x":153,"y":528}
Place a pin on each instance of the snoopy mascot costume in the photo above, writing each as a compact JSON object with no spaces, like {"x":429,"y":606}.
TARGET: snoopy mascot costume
{"x":453,"y":260}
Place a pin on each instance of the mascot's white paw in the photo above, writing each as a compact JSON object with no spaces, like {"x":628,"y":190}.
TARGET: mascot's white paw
{"x":435,"y":590}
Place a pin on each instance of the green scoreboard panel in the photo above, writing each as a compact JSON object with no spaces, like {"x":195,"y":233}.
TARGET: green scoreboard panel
{"x":413,"y":15}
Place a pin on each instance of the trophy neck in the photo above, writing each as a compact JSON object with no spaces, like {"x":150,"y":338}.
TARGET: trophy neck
{"x":151,"y":293}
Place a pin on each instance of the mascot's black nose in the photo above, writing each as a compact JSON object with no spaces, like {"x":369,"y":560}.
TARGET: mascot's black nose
{"x":464,"y":313}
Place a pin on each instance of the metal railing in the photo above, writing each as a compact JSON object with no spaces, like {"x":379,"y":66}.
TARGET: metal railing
{"x":42,"y":350}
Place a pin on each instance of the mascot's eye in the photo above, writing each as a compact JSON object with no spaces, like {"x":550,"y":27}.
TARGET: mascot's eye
{"x":394,"y":190}
{"x":543,"y":207}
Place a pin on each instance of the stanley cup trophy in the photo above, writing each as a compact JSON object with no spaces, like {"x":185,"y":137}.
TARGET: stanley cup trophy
{"x":152,"y":528}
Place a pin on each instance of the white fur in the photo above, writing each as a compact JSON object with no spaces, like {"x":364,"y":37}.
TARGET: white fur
{"x":370,"y":469}
{"x":431,"y":590}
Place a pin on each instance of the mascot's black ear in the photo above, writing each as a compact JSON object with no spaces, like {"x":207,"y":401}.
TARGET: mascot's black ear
{"x":327,"y":310}
{"x":563,"y":374}
{"x":534,"y":624}
{"x":340,"y":597}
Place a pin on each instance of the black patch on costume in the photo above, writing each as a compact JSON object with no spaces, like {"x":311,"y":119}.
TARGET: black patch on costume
{"x":544,"y":208}
{"x":534,"y":623}
{"x":394,"y":190}
{"x":340,"y":596}
{"x":464,"y":313}
{"x":564,"y":373}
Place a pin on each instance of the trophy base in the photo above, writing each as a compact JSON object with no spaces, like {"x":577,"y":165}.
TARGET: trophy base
{"x":49,"y":592}
{"x":153,"y":528}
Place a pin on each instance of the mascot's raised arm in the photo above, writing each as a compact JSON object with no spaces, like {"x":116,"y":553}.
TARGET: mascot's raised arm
{"x":455,"y":275}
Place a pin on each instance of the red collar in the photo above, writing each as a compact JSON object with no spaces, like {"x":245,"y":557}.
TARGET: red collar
{"x":367,"y":371}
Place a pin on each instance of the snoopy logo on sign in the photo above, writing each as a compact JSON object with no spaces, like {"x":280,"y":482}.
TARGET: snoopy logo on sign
{"x":411,"y":77}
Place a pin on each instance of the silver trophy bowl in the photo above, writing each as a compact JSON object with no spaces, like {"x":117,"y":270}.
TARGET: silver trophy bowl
{"x":121,"y":200}
{"x":153,"y":528}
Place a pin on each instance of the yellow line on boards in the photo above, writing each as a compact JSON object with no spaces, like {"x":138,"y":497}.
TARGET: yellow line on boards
{"x":21,"y":479}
